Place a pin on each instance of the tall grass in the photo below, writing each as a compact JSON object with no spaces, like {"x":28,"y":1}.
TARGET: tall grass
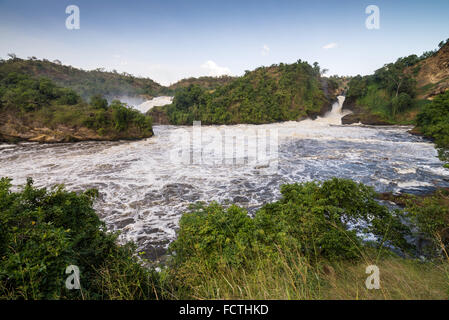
{"x":293,"y":277}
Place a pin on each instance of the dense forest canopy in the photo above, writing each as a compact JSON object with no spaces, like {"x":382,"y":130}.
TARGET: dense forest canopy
{"x":205,"y":82}
{"x":85,"y":83}
{"x":268,"y":94}
{"x":101,"y":82}
{"x":41,"y":102}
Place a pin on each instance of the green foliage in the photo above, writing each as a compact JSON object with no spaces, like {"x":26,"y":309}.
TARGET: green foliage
{"x":401,"y":103}
{"x":98,"y":102}
{"x":388,"y":92}
{"x":207,"y":83}
{"x":268,"y":94}
{"x":214,"y":234}
{"x":42,"y":232}
{"x":326,"y":219}
{"x":40,"y":101}
{"x":377,"y":99}
{"x":85,"y":83}
{"x":323,"y":220}
{"x":433,"y":121}
{"x":27,"y":94}
{"x":123,"y":116}
{"x":289,"y":249}
{"x":431,"y":216}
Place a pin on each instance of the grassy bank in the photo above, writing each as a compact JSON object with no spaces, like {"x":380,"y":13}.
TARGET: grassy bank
{"x":296,"y":278}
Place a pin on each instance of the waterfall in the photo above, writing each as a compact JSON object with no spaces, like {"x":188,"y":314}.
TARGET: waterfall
{"x":155,"y":102}
{"x":336,"y":114}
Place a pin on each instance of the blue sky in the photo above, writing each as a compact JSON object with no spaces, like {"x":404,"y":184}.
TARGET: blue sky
{"x":169,"y":40}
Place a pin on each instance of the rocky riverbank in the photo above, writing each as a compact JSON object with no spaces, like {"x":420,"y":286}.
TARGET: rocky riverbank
{"x":16,"y":130}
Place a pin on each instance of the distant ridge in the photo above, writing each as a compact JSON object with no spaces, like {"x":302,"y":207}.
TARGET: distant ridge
{"x":88,"y":83}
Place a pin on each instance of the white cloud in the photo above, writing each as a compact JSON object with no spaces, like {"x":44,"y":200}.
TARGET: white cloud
{"x":331,"y":45}
{"x":212,"y":69}
{"x":265,"y":50}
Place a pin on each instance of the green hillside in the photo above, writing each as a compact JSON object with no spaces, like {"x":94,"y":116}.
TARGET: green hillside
{"x":397,"y":92}
{"x":268,"y":94}
{"x":85,"y":83}
{"x":38,"y":110}
{"x":207,"y":83}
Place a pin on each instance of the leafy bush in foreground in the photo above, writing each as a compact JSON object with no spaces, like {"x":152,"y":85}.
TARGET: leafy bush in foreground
{"x":327,"y":219}
{"x":324,"y":220}
{"x":431,"y":216}
{"x":42,"y":232}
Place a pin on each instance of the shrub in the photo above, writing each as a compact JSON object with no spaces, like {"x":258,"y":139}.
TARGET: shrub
{"x":324,"y":220}
{"x":42,"y":232}
{"x":431,"y":216}
{"x":401,"y":103}
{"x":327,"y":220}
{"x":433,"y":120}
{"x":98,"y":102}
{"x":68,"y":97}
{"x":214,"y":235}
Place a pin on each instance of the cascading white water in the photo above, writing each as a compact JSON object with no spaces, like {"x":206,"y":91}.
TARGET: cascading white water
{"x":336,"y":114}
{"x":155,"y":102}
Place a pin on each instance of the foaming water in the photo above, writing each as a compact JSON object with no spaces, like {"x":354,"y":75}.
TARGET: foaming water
{"x":155,"y":102}
{"x":335,"y":115}
{"x":143,"y":193}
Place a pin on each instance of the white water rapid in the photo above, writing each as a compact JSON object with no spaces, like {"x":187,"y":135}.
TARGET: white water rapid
{"x":143,"y":192}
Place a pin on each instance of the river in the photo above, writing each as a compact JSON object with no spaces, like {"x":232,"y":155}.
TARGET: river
{"x":146,"y":185}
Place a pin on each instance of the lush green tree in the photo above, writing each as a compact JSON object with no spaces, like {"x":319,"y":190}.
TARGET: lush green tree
{"x":433,"y":121}
{"x":68,"y":97}
{"x":431,"y":217}
{"x":401,"y":103}
{"x":41,"y":101}
{"x":268,"y":94}
{"x":98,"y":102}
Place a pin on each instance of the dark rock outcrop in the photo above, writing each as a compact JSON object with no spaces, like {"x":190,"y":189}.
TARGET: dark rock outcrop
{"x":365,"y":118}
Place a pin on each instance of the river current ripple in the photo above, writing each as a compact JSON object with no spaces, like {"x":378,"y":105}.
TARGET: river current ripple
{"x":143,"y":193}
